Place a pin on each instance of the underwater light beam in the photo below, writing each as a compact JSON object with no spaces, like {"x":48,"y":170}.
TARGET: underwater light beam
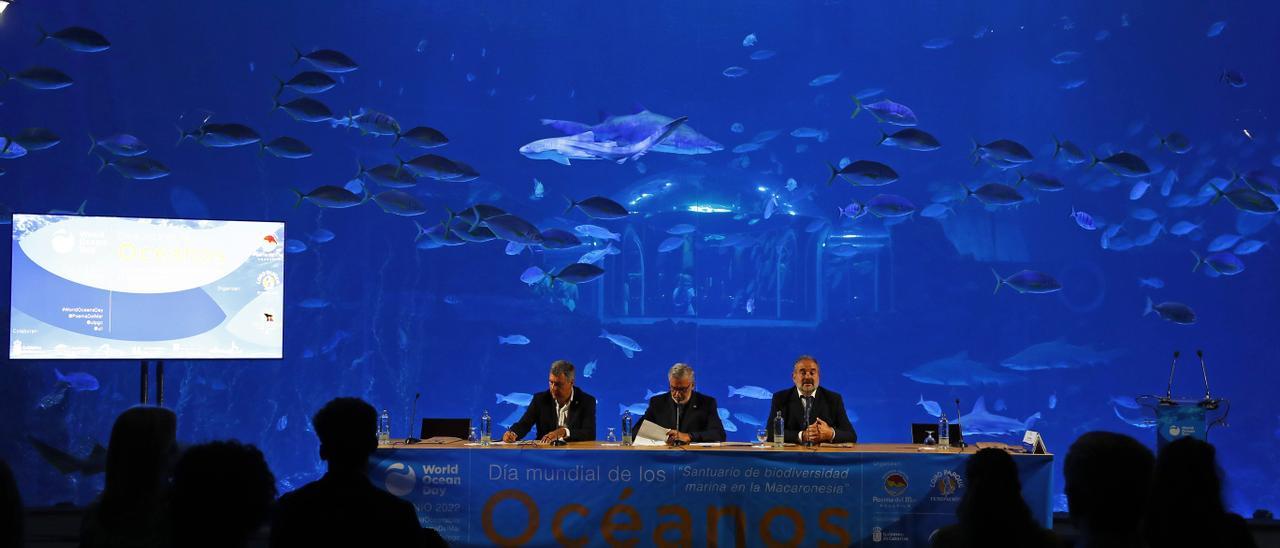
{"x":698,"y":208}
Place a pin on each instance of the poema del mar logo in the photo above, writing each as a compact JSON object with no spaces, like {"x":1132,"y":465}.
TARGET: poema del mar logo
{"x":895,"y":483}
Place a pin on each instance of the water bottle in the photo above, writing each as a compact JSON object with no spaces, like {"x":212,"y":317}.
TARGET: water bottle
{"x":778,"y":426}
{"x":944,"y":438}
{"x":485,"y":428}
{"x":384,"y":428}
{"x":626,"y":427}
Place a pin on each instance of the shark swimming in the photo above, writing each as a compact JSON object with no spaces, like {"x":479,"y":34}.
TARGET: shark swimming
{"x":1058,"y":354}
{"x":982,"y":422}
{"x":631,"y":128}
{"x":584,"y":146}
{"x":958,"y":370}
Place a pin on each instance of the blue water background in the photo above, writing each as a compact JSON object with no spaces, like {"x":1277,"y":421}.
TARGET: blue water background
{"x":404,"y":320}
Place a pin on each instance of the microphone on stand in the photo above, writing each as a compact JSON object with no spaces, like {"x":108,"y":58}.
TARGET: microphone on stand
{"x":160,"y":383}
{"x":1205,"y":372}
{"x":677,"y":440}
{"x":410,"y":438}
{"x":959,"y":428}
{"x":1168,"y":392}
{"x":146,"y":375}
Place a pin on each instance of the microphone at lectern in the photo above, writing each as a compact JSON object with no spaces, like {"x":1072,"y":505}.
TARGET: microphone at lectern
{"x":410,"y":437}
{"x":1168,"y":392}
{"x":160,"y":383}
{"x":959,"y":427}
{"x":1204,"y":371}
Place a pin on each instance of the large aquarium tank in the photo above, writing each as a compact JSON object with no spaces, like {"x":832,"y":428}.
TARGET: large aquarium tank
{"x":1014,"y":212}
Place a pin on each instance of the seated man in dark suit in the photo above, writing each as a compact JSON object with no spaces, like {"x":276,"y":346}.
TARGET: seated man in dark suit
{"x":343,"y":508}
{"x":826,"y":421}
{"x":563,"y":412}
{"x":688,"y":416}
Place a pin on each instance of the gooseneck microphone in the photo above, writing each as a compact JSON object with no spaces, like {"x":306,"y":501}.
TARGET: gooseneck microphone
{"x":677,"y":441}
{"x":1204,"y":371}
{"x":959,"y":428}
{"x":1168,"y":391}
{"x":145,"y":370}
{"x":160,"y":383}
{"x":410,"y":438}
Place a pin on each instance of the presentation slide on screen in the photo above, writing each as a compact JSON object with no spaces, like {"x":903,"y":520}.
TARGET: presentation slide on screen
{"x":124,"y":288}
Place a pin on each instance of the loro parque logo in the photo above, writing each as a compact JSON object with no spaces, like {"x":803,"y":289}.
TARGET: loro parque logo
{"x":947,"y":483}
{"x":400,"y":479}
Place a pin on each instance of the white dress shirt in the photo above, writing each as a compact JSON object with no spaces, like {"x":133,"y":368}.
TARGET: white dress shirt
{"x":562,"y":412}
{"x":815,"y":399}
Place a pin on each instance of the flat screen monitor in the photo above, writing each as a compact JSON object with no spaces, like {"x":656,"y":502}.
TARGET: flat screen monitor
{"x":454,"y":428}
{"x":133,"y":288}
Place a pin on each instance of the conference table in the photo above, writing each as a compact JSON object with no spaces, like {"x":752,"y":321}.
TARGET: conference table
{"x":593,"y":493}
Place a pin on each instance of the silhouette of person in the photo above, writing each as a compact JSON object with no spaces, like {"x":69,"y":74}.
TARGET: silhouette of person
{"x":991,"y":511}
{"x":1186,"y":500}
{"x":222,"y":494}
{"x":343,"y":508}
{"x":1107,"y":481}
{"x":11,"y":517}
{"x":133,"y":508}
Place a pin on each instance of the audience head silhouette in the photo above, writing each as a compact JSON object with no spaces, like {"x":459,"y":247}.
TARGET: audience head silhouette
{"x":991,"y":512}
{"x":132,"y":508}
{"x":344,"y":508}
{"x":11,"y":515}
{"x":1107,"y":477}
{"x":1186,"y":500}
{"x":348,"y":432}
{"x":992,"y":501}
{"x":222,"y":493}
{"x":139,"y":455}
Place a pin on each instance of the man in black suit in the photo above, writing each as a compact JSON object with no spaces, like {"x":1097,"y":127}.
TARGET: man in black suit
{"x":563,"y":412}
{"x":824,"y":409}
{"x":688,"y":416}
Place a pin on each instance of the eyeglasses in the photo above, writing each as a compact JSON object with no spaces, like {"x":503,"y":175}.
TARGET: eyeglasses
{"x":681,"y":388}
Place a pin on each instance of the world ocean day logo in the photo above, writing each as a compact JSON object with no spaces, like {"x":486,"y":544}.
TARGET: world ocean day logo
{"x":400,"y":479}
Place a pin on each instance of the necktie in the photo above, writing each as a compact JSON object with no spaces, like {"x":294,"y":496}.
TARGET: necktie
{"x":807,"y":401}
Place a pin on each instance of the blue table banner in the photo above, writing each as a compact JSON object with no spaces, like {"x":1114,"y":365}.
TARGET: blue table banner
{"x":730,"y":497}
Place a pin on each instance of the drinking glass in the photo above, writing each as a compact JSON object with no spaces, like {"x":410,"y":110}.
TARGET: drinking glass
{"x":610,"y":438}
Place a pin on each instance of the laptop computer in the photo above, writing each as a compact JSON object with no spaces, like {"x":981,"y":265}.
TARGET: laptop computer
{"x":451,"y":428}
{"x":919,"y":432}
